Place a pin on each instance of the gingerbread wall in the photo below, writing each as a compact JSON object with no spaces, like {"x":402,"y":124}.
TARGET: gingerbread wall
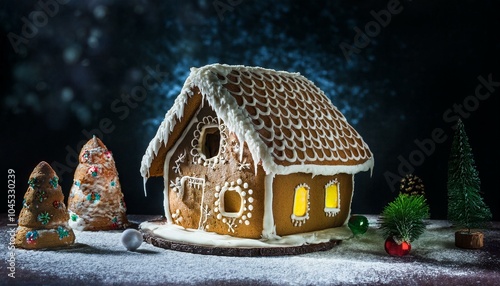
{"x":220,"y":191}
{"x":221,"y":194}
{"x":283,"y":201}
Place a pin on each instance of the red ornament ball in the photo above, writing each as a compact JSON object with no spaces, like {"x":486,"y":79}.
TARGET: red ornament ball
{"x":394,"y":248}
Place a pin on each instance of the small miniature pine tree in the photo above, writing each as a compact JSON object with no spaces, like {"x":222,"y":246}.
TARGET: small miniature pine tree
{"x":412,"y":185}
{"x":466,"y":207}
{"x":403,"y":218}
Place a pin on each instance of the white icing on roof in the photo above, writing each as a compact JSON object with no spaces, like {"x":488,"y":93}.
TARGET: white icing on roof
{"x":288,"y":123}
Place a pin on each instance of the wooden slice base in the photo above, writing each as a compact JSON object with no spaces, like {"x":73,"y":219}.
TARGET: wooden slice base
{"x":150,"y":238}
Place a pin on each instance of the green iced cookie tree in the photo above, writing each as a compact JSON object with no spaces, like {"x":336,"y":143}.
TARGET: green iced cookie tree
{"x":466,"y":207}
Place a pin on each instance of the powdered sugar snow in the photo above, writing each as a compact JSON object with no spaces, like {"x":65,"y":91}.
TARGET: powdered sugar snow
{"x":101,"y":258}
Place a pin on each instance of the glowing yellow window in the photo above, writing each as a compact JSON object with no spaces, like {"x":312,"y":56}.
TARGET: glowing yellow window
{"x":300,"y":202}
{"x":332,"y":196}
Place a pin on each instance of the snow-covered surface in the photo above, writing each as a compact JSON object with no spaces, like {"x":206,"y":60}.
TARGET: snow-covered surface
{"x":100,"y":258}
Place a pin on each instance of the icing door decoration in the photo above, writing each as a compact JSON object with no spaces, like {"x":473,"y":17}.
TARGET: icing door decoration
{"x":189,"y":189}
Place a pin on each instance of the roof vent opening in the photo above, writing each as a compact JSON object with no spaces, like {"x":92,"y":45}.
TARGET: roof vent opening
{"x":210,"y":141}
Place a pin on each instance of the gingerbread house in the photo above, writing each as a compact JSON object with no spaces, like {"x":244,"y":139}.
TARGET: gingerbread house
{"x":255,"y":153}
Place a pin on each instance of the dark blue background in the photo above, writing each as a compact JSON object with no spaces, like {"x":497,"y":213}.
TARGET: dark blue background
{"x":78,"y":69}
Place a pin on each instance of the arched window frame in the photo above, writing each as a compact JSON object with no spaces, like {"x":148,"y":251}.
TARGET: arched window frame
{"x":198,"y":156}
{"x":203,"y":138}
{"x":329,"y":211}
{"x":300,"y":220}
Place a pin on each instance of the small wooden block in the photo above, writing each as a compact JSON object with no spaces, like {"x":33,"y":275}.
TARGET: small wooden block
{"x":473,"y":240}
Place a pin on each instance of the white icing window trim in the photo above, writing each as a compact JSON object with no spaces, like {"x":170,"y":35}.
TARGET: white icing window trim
{"x":221,"y":204}
{"x":199,"y":138}
{"x":203,"y":137}
{"x":333,"y":211}
{"x":243,"y":216}
{"x":300,"y":220}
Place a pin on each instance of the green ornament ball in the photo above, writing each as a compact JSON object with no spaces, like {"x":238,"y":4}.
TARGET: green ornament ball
{"x":358,"y":224}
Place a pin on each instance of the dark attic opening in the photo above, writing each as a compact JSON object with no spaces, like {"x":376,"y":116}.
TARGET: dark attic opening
{"x":210,"y":142}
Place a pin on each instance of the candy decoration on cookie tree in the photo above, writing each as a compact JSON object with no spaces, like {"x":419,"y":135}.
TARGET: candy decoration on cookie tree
{"x":43,"y":221}
{"x":402,"y":222}
{"x":466,"y":208}
{"x":96,"y":201}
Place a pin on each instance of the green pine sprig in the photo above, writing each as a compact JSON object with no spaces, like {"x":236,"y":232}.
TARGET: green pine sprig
{"x":404,"y":217}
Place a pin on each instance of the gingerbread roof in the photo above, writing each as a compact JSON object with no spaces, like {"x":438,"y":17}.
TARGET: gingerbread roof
{"x":288,"y":124}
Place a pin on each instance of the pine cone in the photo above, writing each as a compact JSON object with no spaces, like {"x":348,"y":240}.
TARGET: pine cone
{"x":412,"y":185}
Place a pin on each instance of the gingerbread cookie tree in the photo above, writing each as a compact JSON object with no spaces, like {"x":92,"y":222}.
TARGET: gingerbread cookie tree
{"x":96,"y":201}
{"x":43,"y":221}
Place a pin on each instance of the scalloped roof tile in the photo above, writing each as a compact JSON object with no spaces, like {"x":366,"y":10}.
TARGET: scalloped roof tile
{"x":288,"y":123}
